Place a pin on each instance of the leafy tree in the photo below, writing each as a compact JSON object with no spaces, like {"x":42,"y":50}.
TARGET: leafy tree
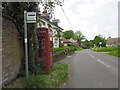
{"x":49,"y":6}
{"x":99,"y":39}
{"x":87,"y":44}
{"x":15,"y":10}
{"x":68,"y":34}
{"x":79,"y":37}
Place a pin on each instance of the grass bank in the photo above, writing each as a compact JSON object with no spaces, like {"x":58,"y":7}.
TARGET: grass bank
{"x":54,"y":79}
{"x":114,"y":51}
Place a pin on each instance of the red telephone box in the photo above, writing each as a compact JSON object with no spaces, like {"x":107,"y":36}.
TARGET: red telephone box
{"x":45,"y":41}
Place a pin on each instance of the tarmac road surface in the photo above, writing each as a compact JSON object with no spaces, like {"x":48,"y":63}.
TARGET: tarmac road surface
{"x":89,"y":69}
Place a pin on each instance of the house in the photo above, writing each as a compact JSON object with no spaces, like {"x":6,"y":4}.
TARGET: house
{"x":74,"y":42}
{"x":66,"y":42}
{"x":53,"y":25}
{"x":113,"y":41}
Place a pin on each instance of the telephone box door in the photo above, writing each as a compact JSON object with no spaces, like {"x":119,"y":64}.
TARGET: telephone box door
{"x":45,"y":49}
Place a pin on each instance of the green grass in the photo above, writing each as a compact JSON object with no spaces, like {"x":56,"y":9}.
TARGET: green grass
{"x":114,"y":51}
{"x":79,"y":49}
{"x":54,"y":79}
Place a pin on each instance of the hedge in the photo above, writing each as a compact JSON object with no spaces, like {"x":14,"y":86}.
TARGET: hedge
{"x":63,"y":51}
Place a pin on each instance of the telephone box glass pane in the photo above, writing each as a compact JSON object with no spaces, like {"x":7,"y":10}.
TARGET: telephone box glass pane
{"x":42,"y":57}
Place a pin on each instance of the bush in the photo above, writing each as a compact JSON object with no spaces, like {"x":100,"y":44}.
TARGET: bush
{"x":63,"y":48}
{"x":79,"y":49}
{"x":59,"y":49}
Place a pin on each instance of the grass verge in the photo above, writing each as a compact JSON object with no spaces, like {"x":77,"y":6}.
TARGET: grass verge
{"x":54,"y":79}
{"x":114,"y":51}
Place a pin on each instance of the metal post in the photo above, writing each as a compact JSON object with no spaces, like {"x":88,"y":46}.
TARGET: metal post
{"x":26,"y":47}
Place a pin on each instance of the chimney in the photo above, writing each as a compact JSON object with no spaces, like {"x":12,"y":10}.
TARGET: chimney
{"x":45,"y":14}
{"x":56,"y":21}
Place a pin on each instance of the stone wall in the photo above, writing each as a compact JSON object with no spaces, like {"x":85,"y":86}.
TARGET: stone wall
{"x":12,"y":50}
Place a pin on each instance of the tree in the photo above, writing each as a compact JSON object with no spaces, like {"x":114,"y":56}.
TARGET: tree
{"x":99,"y":39}
{"x":79,"y":37}
{"x":87,"y":44}
{"x":68,"y":34}
{"x":15,"y":10}
{"x":49,"y":6}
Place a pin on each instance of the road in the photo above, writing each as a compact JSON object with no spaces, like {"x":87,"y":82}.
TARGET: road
{"x":89,"y":69}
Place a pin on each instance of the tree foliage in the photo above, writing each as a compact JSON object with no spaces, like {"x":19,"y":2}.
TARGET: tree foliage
{"x":49,"y":6}
{"x":15,"y":10}
{"x":99,"y":39}
{"x":79,"y":37}
{"x":68,"y":34}
{"x":87,"y":44}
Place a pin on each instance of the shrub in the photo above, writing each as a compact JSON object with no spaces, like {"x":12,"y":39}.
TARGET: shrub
{"x":79,"y":49}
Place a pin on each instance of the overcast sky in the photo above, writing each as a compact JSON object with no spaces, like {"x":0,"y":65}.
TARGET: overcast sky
{"x":91,"y":17}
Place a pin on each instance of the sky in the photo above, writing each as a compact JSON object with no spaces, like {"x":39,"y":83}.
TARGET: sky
{"x":91,"y":17}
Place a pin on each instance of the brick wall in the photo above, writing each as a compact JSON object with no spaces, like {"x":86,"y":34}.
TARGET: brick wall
{"x":12,"y":50}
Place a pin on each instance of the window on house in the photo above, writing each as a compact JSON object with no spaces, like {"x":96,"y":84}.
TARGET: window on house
{"x":56,"y":38}
{"x":55,"y":32}
{"x":55,"y":41}
{"x":43,"y":23}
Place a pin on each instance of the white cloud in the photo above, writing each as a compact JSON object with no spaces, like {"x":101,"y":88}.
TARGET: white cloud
{"x":92,"y":17}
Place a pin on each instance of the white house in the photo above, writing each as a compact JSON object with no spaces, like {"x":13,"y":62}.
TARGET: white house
{"x":42,"y":22}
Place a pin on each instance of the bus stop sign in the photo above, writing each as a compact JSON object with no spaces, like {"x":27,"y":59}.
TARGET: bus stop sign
{"x":31,"y":17}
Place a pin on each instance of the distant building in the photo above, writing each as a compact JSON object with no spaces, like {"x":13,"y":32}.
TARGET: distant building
{"x":113,"y":41}
{"x":66,"y":42}
{"x":74,"y":42}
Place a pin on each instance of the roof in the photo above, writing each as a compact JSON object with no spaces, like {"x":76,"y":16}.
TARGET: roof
{"x":65,"y":40}
{"x":113,"y":40}
{"x":72,"y":40}
{"x":50,"y":22}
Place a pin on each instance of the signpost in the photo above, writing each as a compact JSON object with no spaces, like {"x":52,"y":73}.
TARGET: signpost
{"x":29,"y":17}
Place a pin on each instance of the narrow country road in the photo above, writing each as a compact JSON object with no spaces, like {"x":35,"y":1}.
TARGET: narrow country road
{"x":89,"y":69}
